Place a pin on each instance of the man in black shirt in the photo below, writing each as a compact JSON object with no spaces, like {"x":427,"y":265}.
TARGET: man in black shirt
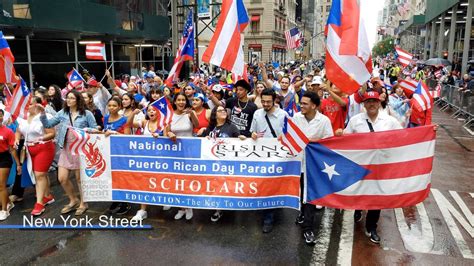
{"x":241,"y":109}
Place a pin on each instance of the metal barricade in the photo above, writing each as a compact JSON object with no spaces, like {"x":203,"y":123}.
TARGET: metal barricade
{"x":461,"y":102}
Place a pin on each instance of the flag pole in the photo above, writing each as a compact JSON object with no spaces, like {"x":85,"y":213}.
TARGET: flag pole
{"x":106,"y":71}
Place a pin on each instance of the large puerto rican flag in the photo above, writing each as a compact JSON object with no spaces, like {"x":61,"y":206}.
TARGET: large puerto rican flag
{"x":225,"y":48}
{"x":348,"y":58}
{"x":367,"y":171}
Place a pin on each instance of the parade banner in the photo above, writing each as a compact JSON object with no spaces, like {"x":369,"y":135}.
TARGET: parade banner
{"x":228,"y":174}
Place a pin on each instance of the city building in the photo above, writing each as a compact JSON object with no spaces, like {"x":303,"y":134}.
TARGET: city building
{"x":321,"y":12}
{"x":447,"y":27}
{"x":48,"y":37}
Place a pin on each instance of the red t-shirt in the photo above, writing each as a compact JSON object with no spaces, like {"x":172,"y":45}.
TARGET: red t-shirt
{"x":334,"y":112}
{"x":7,"y":138}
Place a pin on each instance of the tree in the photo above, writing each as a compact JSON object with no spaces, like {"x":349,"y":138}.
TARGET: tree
{"x":384,"y":47}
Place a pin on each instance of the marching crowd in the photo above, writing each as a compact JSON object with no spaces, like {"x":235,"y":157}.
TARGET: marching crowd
{"x":209,"y":103}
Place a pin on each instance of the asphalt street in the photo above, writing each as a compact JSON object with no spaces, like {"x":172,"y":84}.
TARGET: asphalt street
{"x":438,"y":231}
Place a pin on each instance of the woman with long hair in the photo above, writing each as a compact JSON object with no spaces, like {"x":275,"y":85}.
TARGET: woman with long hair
{"x":220,"y":127}
{"x":41,"y":150}
{"x":54,"y":97}
{"x":90,"y":105}
{"x":182,"y":124}
{"x":256,"y":96}
{"x":73,"y":114}
{"x":129,"y":105}
{"x":150,"y":127}
{"x":202,"y":112}
{"x":7,"y":141}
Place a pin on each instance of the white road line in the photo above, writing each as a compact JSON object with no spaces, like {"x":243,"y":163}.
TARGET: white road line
{"x":344,"y":255}
{"x":417,"y":239}
{"x":448,"y":211}
{"x":323,"y":238}
{"x":464,"y":208}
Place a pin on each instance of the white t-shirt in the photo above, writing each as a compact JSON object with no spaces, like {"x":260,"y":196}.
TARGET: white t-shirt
{"x":318,"y":128}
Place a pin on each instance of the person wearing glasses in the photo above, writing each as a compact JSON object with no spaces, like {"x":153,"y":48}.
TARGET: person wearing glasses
{"x":73,"y":114}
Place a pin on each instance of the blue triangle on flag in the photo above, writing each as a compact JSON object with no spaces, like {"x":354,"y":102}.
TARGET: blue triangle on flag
{"x":329,"y":172}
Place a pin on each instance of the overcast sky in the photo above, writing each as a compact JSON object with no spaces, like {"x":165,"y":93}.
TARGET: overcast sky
{"x":370,"y":9}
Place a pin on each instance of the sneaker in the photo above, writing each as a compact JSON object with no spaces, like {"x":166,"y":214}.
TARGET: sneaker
{"x":48,"y":200}
{"x":299,"y":219}
{"x":216,"y":216}
{"x":267,"y":227}
{"x":38,"y":209}
{"x":140,"y":216}
{"x":166,"y":207}
{"x":10,"y":206}
{"x":179,"y":215}
{"x":123,"y":208}
{"x":4,"y":215}
{"x":357,"y":216}
{"x":309,"y":238}
{"x":189,"y":214}
{"x":15,"y":198}
{"x":373,"y":236}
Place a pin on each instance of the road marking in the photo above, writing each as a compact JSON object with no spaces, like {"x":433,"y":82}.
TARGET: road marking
{"x":323,"y":238}
{"x":344,"y":255}
{"x":448,"y":211}
{"x":414,"y":238}
{"x":463,"y":207}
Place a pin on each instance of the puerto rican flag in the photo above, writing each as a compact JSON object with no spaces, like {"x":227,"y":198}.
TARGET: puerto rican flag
{"x":244,"y":76}
{"x":293,"y":138}
{"x":348,"y":54}
{"x":349,"y":172}
{"x":225,"y":47}
{"x":165,"y":112}
{"x":436,"y":93}
{"x":20,"y":101}
{"x":75,"y":79}
{"x":421,"y":100}
{"x":292,"y":107}
{"x":79,"y":143}
{"x":409,"y":86}
{"x":403,"y":56}
{"x":185,"y":50}
{"x":7,"y":71}
{"x":96,"y":51}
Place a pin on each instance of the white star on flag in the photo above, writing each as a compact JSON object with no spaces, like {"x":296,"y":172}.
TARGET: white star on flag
{"x":330,"y":170}
{"x":162,"y":106}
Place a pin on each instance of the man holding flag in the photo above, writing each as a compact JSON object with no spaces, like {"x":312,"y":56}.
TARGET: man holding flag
{"x":371,"y":121}
{"x":315,"y":126}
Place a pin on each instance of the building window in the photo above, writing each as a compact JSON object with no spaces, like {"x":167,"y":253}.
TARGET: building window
{"x":255,"y":23}
{"x":21,"y":11}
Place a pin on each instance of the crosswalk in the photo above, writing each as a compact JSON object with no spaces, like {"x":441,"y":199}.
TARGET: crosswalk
{"x":443,"y":225}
